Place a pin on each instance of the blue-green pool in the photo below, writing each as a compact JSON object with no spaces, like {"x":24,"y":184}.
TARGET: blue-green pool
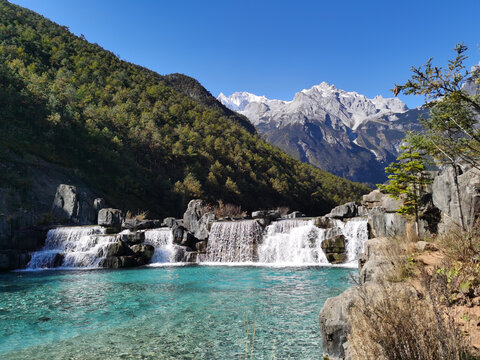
{"x":189,"y":312}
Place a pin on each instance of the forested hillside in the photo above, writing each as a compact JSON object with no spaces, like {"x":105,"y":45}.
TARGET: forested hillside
{"x":145,"y":140}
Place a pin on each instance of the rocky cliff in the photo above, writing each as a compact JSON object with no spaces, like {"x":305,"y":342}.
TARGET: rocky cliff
{"x":378,"y":264}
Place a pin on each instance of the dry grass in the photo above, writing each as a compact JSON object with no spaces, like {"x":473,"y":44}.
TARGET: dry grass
{"x":222,"y":210}
{"x":394,"y":324}
{"x":141,"y":215}
{"x":392,"y":321}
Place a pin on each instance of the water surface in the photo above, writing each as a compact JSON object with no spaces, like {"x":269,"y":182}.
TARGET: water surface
{"x":187,"y":312}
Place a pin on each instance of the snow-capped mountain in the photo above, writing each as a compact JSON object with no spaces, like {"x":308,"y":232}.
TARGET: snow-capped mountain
{"x":342,"y":132}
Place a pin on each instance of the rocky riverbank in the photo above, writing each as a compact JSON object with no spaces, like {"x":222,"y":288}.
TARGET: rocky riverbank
{"x":399,"y":275}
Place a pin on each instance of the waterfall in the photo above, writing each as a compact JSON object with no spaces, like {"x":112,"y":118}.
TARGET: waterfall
{"x":355,"y":232}
{"x":234,"y":241}
{"x":293,"y":241}
{"x":162,"y":240}
{"x":78,"y":246}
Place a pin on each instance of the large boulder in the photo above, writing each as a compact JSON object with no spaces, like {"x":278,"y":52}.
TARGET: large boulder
{"x":74,"y":205}
{"x":334,"y":323}
{"x":445,"y":198}
{"x":197,"y":219}
{"x":344,"y":211}
{"x":110,"y":218}
{"x":386,"y":224}
{"x":373,"y":199}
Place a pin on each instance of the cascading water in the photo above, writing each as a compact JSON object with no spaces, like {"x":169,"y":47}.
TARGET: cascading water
{"x":355,"y":232}
{"x":162,"y":240}
{"x":293,"y":242}
{"x":79,"y":246}
{"x":234,"y":241}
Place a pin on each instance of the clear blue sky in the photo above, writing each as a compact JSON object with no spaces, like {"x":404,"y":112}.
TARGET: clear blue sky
{"x":276,"y":48}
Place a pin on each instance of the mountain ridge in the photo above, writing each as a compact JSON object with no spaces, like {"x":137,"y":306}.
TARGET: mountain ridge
{"x":143,"y":140}
{"x":342,"y":132}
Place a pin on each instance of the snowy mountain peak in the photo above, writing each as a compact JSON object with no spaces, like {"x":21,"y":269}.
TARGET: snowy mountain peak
{"x":239,"y":100}
{"x":318,"y":102}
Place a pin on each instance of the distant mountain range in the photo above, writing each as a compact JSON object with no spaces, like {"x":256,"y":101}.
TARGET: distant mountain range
{"x":342,"y":132}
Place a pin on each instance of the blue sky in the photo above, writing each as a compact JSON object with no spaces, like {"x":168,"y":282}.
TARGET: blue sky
{"x":276,"y":48}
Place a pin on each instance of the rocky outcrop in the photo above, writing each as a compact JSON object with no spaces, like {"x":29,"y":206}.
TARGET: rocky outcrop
{"x":334,"y":324}
{"x":197,"y":219}
{"x":344,"y":211}
{"x":383,"y":223}
{"x":75,"y":205}
{"x":445,"y":198}
{"x":111,"y":218}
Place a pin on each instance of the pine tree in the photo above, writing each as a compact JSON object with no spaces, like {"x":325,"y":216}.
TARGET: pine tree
{"x":407,"y":180}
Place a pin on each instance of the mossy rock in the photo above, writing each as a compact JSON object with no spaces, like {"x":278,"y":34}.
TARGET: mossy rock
{"x":334,"y":258}
{"x":334,"y":245}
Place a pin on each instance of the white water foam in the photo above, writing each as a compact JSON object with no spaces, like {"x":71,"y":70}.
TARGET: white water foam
{"x":294,"y":242}
{"x":76,"y":246}
{"x":234,"y":241}
{"x":162,"y":240}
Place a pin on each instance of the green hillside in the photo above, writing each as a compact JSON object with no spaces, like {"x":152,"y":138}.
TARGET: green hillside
{"x":146,"y":141}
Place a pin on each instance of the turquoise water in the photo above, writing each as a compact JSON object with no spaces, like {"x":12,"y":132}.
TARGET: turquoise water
{"x":189,"y":312}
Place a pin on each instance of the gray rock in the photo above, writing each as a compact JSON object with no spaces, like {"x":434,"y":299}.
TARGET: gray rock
{"x":143,"y":250}
{"x":74,"y":205}
{"x":171,"y":222}
{"x":110,"y":217}
{"x":259,"y":214}
{"x":386,"y":224}
{"x":197,"y":220}
{"x":133,"y":237}
{"x":334,"y":324}
{"x":445,"y":198}
{"x":390,"y":204}
{"x":134,"y":224}
{"x":377,"y":269}
{"x":373,"y":199}
{"x":112,"y":249}
{"x":425,"y":246}
{"x":344,"y":211}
